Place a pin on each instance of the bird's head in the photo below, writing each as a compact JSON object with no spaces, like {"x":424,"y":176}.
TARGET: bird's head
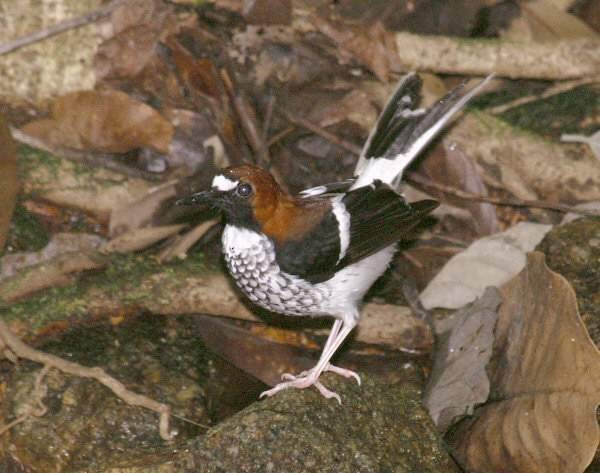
{"x":248,"y":195}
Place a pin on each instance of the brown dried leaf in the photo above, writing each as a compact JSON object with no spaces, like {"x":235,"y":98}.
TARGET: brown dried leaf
{"x":517,"y":161}
{"x":140,"y":238}
{"x":458,"y":381}
{"x":126,"y":54}
{"x":355,"y":106}
{"x":541,"y":20}
{"x":373,"y":46}
{"x":268,"y":12}
{"x":140,"y":213}
{"x":453,"y":167}
{"x":9,"y":184}
{"x":260,"y":357}
{"x":545,"y":379}
{"x":106,"y":121}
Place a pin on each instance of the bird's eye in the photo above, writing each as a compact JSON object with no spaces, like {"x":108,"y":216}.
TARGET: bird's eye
{"x":244,"y":189}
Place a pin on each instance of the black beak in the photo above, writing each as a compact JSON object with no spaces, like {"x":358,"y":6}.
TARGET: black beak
{"x":201,"y":198}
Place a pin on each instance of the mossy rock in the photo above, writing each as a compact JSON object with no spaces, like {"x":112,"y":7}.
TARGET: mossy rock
{"x":573,"y":250}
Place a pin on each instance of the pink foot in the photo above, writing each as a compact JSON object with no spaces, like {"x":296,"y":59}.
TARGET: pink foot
{"x":302,"y":382}
{"x":329,"y":367}
{"x":309,"y":378}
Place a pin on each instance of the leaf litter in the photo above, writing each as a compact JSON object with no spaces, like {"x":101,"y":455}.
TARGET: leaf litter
{"x":496,"y":365}
{"x":544,"y":378}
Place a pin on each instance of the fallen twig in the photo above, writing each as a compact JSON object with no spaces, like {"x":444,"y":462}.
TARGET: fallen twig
{"x":92,"y":159}
{"x":562,"y":59}
{"x":513,"y":202}
{"x":248,"y":120}
{"x":22,"y":350}
{"x":549,"y":92}
{"x":180,"y":247}
{"x":60,"y":27}
{"x":317,"y":130}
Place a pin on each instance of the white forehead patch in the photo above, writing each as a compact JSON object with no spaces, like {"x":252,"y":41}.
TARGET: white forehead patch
{"x":222,"y":183}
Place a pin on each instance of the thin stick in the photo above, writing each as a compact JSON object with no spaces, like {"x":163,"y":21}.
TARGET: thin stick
{"x":458,"y":193}
{"x":514,"y":202}
{"x":23,"y":350}
{"x":549,"y":92}
{"x":101,"y":160}
{"x":317,"y":130}
{"x":60,"y":27}
{"x":279,"y":136}
{"x":266,"y":127}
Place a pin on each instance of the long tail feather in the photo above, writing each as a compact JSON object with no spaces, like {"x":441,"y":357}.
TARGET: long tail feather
{"x":402,"y":132}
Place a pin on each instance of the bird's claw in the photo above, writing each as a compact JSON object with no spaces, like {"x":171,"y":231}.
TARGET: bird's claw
{"x":343,"y":372}
{"x":308,"y":378}
{"x":301,"y":382}
{"x":329,"y":367}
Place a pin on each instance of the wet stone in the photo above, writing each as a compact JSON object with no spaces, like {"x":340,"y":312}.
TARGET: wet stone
{"x":380,"y":427}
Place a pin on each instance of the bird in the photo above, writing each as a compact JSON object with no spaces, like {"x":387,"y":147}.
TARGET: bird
{"x":317,"y":253}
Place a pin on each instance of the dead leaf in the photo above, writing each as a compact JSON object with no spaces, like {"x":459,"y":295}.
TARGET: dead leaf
{"x":454,"y":168}
{"x":140,"y":238}
{"x":260,"y":357}
{"x":489,"y":261}
{"x":126,"y":54}
{"x":64,"y":183}
{"x":139,"y":213}
{"x":458,"y":380}
{"x":541,"y":20}
{"x":150,"y":13}
{"x":60,"y":244}
{"x":194,"y":135}
{"x":51,"y":273}
{"x":517,"y":161}
{"x":372,"y":46}
{"x":105,"y":121}
{"x":545,"y":380}
{"x":355,"y":106}
{"x":179,"y":246}
{"x":267,"y":12}
{"x":9,"y":184}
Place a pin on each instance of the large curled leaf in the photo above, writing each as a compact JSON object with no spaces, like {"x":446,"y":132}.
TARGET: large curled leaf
{"x":489,"y":261}
{"x":104,"y":121}
{"x":458,"y":380}
{"x":545,"y":383}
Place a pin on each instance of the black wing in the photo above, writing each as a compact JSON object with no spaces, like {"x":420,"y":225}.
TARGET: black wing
{"x":379,"y":217}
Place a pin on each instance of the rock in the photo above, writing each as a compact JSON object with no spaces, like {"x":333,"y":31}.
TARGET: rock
{"x":378,"y":428}
{"x":86,"y":427}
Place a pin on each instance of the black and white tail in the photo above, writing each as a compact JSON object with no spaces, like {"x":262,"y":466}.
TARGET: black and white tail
{"x":402,"y":131}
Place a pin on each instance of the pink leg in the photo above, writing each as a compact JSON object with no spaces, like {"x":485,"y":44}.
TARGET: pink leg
{"x":311,"y":378}
{"x":333,"y":333}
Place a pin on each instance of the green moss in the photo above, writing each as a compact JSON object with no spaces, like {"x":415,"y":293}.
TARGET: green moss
{"x":126,"y":279}
{"x":512,"y":91}
{"x":26,"y":233}
{"x":574,"y":111}
{"x":29,"y":159}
